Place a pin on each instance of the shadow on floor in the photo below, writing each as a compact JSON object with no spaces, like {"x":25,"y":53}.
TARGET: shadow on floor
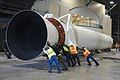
{"x":37,"y":64}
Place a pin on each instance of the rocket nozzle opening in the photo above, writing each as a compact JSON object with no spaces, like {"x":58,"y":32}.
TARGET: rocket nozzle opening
{"x":26,"y":35}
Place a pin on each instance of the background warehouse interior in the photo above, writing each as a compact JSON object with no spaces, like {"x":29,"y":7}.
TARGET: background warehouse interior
{"x":60,"y":7}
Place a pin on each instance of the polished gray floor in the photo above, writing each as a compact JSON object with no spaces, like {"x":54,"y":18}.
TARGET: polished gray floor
{"x":36,"y":69}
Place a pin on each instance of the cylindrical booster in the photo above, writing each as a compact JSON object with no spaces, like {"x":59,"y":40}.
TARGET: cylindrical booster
{"x":92,"y":39}
{"x":27,"y":33}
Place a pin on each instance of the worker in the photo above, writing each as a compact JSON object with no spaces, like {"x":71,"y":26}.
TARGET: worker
{"x":57,"y":49}
{"x":74,"y":53}
{"x":52,"y":58}
{"x":88,"y":56}
{"x":67,"y":54}
{"x":117,"y":46}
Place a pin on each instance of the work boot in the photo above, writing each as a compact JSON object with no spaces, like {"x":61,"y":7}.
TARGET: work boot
{"x":59,"y":71}
{"x":73,"y":65}
{"x":49,"y":71}
{"x":89,"y":64}
{"x":65,"y":69}
{"x":79,"y":64}
{"x":97,"y":64}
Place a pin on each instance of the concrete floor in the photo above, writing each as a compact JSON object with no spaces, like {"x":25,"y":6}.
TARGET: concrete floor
{"x":36,"y":69}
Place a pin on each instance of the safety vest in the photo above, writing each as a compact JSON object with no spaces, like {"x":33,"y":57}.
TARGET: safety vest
{"x":50,"y":52}
{"x":73,"y":50}
{"x":65,"y":48}
{"x":86,"y":53}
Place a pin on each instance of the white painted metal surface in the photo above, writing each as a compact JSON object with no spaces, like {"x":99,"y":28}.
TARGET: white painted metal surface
{"x":92,"y":39}
{"x":52,"y":32}
{"x":79,"y":36}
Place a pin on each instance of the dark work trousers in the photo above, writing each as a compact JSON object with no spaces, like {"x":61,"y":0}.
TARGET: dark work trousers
{"x":60,"y":59}
{"x":69,"y":59}
{"x":117,"y":49}
{"x":76,"y":57}
{"x":91,"y":57}
{"x":51,"y":60}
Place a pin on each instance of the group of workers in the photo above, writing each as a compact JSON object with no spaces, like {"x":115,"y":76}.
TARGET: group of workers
{"x":71,"y":54}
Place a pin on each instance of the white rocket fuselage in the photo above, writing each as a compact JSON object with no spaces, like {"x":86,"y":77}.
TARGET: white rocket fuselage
{"x":27,"y":33}
{"x":79,"y":36}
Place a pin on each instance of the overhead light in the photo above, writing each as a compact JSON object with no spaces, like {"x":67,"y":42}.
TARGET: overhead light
{"x":98,"y":5}
{"x":111,"y":2}
{"x":75,"y":14}
{"x":87,"y":17}
{"x":78,"y":18}
{"x":81,"y":16}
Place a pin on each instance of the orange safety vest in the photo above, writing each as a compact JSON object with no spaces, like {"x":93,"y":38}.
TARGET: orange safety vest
{"x":73,"y":50}
{"x":86,"y":53}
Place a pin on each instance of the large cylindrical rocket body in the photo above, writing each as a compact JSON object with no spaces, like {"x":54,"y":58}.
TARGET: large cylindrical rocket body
{"x":28,"y":32}
{"x":92,"y":39}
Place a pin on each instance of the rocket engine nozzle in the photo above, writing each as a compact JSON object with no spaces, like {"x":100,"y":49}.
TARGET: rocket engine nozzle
{"x":26,"y":35}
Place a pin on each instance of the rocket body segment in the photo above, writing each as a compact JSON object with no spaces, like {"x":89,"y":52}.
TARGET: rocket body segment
{"x":28,"y":31}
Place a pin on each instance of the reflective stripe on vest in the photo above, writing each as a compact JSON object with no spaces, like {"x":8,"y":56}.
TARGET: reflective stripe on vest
{"x":86,"y":53}
{"x":73,"y":50}
{"x":50,"y":52}
{"x":65,"y":48}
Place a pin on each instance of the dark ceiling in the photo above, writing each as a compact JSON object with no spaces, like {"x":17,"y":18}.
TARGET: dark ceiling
{"x":12,"y":6}
{"x":113,"y":10}
{"x":9,"y":7}
{"x":107,"y":2}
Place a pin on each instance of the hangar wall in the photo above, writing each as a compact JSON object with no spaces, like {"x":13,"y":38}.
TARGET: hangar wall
{"x":62,"y":7}
{"x":56,"y":7}
{"x":105,"y":20}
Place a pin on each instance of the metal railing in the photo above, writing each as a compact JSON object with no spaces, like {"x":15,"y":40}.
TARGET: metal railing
{"x":93,"y":25}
